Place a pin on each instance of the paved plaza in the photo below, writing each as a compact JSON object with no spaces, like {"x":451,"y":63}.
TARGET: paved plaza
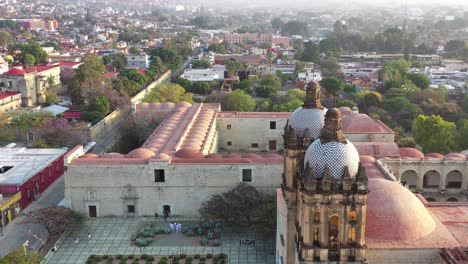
{"x":111,"y":236}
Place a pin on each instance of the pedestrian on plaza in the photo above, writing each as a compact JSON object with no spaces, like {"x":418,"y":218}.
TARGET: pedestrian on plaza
{"x":156,"y":215}
{"x":54,"y":248}
{"x":89,"y":235}
{"x":166,"y":215}
{"x":171,"y":225}
{"x":180,"y":227}
{"x":77,"y":240}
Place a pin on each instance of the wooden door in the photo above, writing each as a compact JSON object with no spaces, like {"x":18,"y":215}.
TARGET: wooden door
{"x":92,"y":211}
{"x":272,"y":145}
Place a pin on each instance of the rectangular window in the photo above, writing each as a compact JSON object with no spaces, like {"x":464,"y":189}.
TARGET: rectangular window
{"x":42,"y":177}
{"x":229,"y":143}
{"x":254,"y":145}
{"x":272,"y":124}
{"x":30,"y":136}
{"x":10,"y":84}
{"x":130,"y":209}
{"x":228,"y":127}
{"x":246,"y":175}
{"x":159,"y":176}
{"x":57,"y":166}
{"x":282,"y":239}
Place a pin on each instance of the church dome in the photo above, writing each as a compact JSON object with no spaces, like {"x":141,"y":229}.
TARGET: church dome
{"x":395,"y":213}
{"x":311,"y":116}
{"x":332,"y":150}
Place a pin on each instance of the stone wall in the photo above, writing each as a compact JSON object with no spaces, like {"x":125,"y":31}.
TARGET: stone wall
{"x":185,"y":188}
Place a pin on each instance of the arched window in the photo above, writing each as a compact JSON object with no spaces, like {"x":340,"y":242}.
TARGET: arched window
{"x":452,"y":199}
{"x":352,"y":235}
{"x":317,"y":217}
{"x":409,"y":179}
{"x":431,"y":179}
{"x":454,"y":180}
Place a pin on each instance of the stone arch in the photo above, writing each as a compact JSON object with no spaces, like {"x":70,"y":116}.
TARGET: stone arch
{"x":454,"y":180}
{"x":451,"y":199}
{"x":409,"y":178}
{"x":431,"y":179}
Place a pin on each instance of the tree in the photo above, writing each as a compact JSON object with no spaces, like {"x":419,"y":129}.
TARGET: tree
{"x":406,"y":142}
{"x":329,"y":66}
{"x":5,"y":38}
{"x":402,"y":111}
{"x":347,"y":103}
{"x":333,"y":85}
{"x":294,"y":27}
{"x":201,"y":64}
{"x":134,"y":50}
{"x":434,"y":134}
{"x":119,"y":61}
{"x":242,"y":205}
{"x":135,"y":76}
{"x":238,"y":100}
{"x":17,"y":256}
{"x":311,"y":52}
{"x":366,"y":99}
{"x":168,"y":93}
{"x":55,"y":220}
{"x":57,"y":132}
{"x":270,"y":56}
{"x":327,"y":46}
{"x":200,"y":21}
{"x":87,"y":80}
{"x":6,"y":131}
{"x":34,"y":49}
{"x":100,"y":104}
{"x":29,"y":60}
{"x":269,"y":85}
{"x":201,"y":88}
{"x":462,"y":134}
{"x":419,"y":79}
{"x":186,"y":84}
{"x":277,"y":23}
{"x":232,"y":67}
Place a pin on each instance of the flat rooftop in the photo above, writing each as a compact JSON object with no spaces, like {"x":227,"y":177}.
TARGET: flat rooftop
{"x":18,"y":165}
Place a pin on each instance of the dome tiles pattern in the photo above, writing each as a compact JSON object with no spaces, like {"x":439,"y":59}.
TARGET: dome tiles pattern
{"x":303,"y":118}
{"x":335,"y":155}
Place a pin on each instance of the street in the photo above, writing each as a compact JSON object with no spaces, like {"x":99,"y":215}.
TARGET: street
{"x":16,"y":233}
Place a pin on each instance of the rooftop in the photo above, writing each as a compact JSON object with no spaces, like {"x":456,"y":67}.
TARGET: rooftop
{"x":8,"y":94}
{"x":20,"y":164}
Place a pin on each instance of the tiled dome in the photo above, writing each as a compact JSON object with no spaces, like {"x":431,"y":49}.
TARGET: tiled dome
{"x":331,"y":150}
{"x":334,"y":155}
{"x":311,"y":116}
{"x":303,"y":118}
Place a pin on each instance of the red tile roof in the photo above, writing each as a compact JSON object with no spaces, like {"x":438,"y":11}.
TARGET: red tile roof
{"x":72,"y":115}
{"x":8,"y":94}
{"x":38,"y":68}
{"x":110,"y":74}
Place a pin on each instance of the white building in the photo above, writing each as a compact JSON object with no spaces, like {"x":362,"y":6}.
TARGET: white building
{"x":206,"y":75}
{"x":138,"y":61}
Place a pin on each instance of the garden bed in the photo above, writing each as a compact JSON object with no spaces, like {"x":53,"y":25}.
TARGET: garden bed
{"x":148,"y":259}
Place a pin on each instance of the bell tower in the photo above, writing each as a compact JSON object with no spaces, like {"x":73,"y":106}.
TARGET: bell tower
{"x":331,"y":199}
{"x":302,"y":129}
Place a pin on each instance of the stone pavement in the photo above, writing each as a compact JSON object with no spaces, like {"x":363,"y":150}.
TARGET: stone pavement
{"x":111,"y":236}
{"x":15,"y":233}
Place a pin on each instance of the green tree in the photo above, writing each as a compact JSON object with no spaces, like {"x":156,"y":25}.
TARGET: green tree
{"x":29,"y":60}
{"x":232,"y":67}
{"x":332,"y":85}
{"x":186,"y":84}
{"x":276,"y":23}
{"x":134,"y":50}
{"x":6,"y":131}
{"x":347,"y":103}
{"x":100,"y":104}
{"x":201,"y":64}
{"x":329,"y":66}
{"x":366,"y":99}
{"x":462,"y":134}
{"x":327,"y":46}
{"x":87,"y":80}
{"x":168,"y":93}
{"x":125,"y":86}
{"x":200,"y":21}
{"x":294,"y":27}
{"x":420,"y":80}
{"x":268,"y":86}
{"x":434,"y":134}
{"x":201,"y":88}
{"x":17,"y":256}
{"x":5,"y":38}
{"x":238,"y":100}
{"x":135,"y":76}
{"x":311,"y":52}
{"x":34,"y":49}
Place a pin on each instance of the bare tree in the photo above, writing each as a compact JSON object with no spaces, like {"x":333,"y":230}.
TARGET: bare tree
{"x":243,"y":205}
{"x":54,"y":219}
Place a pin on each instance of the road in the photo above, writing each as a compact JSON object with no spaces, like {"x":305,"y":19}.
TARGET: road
{"x":16,"y":233}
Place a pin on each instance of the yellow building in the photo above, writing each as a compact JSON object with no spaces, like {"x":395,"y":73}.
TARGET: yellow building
{"x":10,"y":206}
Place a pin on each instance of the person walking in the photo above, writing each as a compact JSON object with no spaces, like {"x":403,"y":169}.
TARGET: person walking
{"x":171,"y":225}
{"x":89,"y":235}
{"x":77,"y":240}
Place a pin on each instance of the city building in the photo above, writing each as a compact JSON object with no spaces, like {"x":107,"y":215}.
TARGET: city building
{"x":9,"y":101}
{"x":24,"y":175}
{"x":138,"y":61}
{"x":3,"y":66}
{"x":206,"y":75}
{"x":32,"y":82}
{"x":248,"y":38}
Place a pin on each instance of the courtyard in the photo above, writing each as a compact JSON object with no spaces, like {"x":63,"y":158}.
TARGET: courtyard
{"x":112,"y":236}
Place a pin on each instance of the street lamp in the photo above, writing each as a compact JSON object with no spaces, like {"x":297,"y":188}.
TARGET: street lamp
{"x":26,"y":244}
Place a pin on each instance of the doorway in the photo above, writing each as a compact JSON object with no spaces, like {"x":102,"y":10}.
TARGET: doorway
{"x":272,"y":145}
{"x":92,"y":211}
{"x":166,"y":210}
{"x":333,"y":239}
{"x":36,"y":190}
